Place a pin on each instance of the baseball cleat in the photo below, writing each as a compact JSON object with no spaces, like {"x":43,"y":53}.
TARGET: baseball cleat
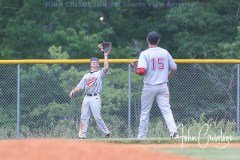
{"x":81,"y":137}
{"x":175,"y":136}
{"x":108,"y":135}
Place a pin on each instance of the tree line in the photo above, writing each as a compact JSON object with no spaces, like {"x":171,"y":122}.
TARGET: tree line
{"x":188,"y":29}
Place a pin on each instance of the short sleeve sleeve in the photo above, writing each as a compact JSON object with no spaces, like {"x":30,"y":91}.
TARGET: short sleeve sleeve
{"x":102,"y":73}
{"x":142,"y":63}
{"x":172,"y":64}
{"x":81,"y":84}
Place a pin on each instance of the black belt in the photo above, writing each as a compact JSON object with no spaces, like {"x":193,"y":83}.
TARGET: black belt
{"x":94,"y":94}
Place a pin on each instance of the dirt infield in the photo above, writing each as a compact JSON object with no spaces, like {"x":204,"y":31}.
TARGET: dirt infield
{"x":65,"y":149}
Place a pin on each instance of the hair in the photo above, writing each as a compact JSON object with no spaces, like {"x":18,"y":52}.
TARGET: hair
{"x":94,"y":59}
{"x":153,"y":37}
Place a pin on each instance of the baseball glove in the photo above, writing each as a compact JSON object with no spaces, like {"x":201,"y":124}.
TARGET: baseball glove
{"x":105,"y":47}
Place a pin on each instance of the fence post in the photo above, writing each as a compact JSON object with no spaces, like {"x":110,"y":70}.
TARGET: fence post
{"x":238,"y":98}
{"x":18,"y":101}
{"x":129,"y":101}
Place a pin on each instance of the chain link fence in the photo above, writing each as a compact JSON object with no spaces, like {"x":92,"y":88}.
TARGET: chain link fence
{"x":199,"y":94}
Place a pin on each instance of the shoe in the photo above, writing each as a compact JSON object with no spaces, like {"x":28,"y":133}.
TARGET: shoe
{"x":80,"y":137}
{"x":108,"y":135}
{"x":141,"y":137}
{"x":175,"y":136}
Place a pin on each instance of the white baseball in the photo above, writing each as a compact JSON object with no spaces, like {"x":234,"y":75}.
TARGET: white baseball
{"x":101,"y":18}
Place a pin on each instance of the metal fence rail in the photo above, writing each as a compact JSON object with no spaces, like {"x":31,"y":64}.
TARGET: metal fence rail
{"x":34,"y":98}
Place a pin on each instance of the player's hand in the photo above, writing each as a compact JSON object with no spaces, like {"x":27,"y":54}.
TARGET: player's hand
{"x":71,"y":94}
{"x":134,"y":65}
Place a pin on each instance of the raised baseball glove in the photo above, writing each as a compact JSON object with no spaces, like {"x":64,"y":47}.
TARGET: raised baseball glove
{"x":105,"y":47}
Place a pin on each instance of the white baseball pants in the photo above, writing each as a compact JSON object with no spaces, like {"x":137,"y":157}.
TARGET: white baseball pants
{"x":159,"y":92}
{"x":91,"y":104}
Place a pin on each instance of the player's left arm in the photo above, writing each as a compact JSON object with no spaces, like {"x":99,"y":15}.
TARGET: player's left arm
{"x":106,"y":47}
{"x":172,"y":66}
{"x":172,"y":72}
{"x":105,"y":64}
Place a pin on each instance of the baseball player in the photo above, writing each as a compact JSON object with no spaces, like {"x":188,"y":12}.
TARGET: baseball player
{"x":92,"y":84}
{"x":156,"y":65}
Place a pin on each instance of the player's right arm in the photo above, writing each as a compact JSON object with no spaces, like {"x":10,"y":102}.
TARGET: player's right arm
{"x":75,"y":90}
{"x":79,"y":87}
{"x":142,"y":65}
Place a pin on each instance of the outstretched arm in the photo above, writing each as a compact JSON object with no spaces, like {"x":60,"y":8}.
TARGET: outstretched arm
{"x":106,"y":63}
{"x":75,"y":90}
{"x":106,"y":48}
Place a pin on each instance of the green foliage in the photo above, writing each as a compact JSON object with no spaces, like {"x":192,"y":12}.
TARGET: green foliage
{"x":67,"y":128}
{"x":73,"y":42}
{"x":46,"y":110}
{"x":208,"y":88}
{"x":158,"y":129}
{"x":7,"y":132}
{"x":41,"y":78}
{"x":195,"y":127}
{"x":70,"y":78}
{"x":210,"y":126}
{"x":56,"y":53}
{"x":42,"y":115}
{"x":231,"y":50}
{"x":29,"y":28}
{"x":196,"y":29}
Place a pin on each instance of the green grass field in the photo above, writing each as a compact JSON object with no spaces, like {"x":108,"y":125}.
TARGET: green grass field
{"x":207,"y":153}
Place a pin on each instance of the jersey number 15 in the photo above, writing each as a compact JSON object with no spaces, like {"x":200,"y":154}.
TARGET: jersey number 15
{"x":157,"y":64}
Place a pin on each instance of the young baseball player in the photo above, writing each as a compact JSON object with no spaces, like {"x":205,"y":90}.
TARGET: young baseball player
{"x":92,"y":84}
{"x":156,"y":65}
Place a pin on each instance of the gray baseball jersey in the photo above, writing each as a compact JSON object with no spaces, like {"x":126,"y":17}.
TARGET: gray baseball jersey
{"x":92,"y":82}
{"x":157,"y":62}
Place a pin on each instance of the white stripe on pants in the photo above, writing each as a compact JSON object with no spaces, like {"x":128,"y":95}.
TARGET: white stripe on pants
{"x":159,"y":92}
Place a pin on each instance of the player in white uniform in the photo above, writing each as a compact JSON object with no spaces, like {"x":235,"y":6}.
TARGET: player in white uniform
{"x":92,"y":84}
{"x":156,"y":65}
